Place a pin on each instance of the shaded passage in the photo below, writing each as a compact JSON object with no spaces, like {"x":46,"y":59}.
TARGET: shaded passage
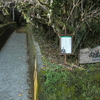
{"x":14,"y":69}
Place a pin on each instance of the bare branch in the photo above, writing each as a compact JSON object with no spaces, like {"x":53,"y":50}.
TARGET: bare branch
{"x":74,"y":5}
{"x":42,"y":2}
{"x":93,"y":5}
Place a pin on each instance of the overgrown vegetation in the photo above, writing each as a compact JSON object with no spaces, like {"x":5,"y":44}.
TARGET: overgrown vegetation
{"x":78,"y":17}
{"x":75,"y":16}
{"x":59,"y":83}
{"x":50,"y":18}
{"x":4,"y":14}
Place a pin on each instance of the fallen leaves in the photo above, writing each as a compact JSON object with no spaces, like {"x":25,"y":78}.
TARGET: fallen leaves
{"x":50,"y":54}
{"x":20,"y":95}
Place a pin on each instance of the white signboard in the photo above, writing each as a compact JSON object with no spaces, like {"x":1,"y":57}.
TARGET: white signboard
{"x":66,"y":44}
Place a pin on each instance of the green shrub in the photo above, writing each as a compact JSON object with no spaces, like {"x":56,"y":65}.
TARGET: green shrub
{"x":57,"y":83}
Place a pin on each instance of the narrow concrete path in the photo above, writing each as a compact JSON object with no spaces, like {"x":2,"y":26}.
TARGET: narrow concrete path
{"x":14,"y":69}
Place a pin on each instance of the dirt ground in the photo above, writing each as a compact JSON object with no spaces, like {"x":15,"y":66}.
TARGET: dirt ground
{"x":51,"y":51}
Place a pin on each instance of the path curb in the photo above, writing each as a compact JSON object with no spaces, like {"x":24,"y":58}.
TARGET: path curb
{"x":34,"y":54}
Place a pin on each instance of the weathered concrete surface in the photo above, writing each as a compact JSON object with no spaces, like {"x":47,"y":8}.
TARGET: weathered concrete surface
{"x":34,"y":54}
{"x":14,"y":69}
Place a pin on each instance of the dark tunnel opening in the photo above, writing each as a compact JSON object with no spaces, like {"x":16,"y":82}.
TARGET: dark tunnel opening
{"x":14,"y":20}
{"x":15,"y":15}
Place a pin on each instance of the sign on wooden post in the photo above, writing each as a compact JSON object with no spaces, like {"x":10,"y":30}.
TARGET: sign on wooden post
{"x":89,"y":55}
{"x":66,"y":45}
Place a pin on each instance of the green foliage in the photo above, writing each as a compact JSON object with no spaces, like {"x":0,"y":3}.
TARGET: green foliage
{"x":77,"y":16}
{"x":25,"y":8}
{"x":58,"y":83}
{"x":93,"y":35}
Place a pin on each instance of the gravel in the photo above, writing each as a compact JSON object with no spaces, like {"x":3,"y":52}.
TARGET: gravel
{"x":14,"y":69}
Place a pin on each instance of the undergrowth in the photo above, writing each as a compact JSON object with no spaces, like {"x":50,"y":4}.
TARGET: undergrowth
{"x":59,"y":83}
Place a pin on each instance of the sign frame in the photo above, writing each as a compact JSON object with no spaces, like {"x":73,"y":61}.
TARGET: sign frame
{"x":66,"y":36}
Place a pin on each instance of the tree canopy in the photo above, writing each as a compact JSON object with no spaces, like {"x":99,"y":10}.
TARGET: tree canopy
{"x":77,"y":17}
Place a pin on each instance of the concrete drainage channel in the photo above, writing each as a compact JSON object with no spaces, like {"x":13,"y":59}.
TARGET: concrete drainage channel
{"x":35,"y":61}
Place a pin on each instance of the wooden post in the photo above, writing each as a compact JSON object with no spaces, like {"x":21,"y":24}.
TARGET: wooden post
{"x":65,"y":58}
{"x":65,"y":30}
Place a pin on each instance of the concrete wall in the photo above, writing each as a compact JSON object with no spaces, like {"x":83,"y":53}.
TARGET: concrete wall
{"x":34,"y":57}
